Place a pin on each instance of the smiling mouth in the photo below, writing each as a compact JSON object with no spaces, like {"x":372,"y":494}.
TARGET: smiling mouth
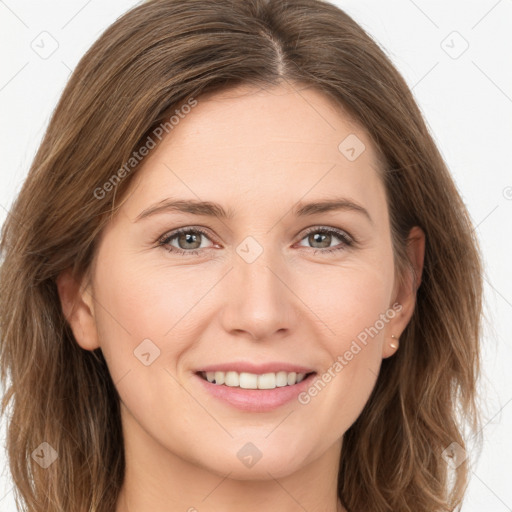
{"x":246,"y":380}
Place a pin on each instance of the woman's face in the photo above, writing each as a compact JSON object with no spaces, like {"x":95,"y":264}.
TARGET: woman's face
{"x":276,"y":282}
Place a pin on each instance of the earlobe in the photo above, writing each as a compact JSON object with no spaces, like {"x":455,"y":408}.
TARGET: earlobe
{"x":78,"y":308}
{"x":390,"y":346}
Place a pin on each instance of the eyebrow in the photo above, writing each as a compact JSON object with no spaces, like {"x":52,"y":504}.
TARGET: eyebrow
{"x":211,"y":209}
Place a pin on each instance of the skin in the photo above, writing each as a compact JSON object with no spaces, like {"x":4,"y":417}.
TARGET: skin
{"x":256,"y":152}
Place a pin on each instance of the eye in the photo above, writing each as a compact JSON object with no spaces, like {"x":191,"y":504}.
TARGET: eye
{"x":187,"y":239}
{"x":323,"y":237}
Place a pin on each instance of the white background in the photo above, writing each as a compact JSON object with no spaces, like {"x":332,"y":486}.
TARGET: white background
{"x":467,"y":102}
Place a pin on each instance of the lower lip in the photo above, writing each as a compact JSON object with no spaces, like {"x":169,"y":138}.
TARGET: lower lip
{"x":256,"y":400}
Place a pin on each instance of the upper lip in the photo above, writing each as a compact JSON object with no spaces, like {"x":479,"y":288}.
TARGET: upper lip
{"x":270,"y":367}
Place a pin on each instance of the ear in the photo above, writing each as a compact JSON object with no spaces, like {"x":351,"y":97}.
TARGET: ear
{"x":405,"y":294}
{"x":78,"y":307}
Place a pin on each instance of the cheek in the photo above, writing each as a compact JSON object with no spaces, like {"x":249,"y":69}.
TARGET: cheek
{"x":144,"y":327}
{"x":350,"y":300}
{"x":338,"y":395}
{"x":355,"y":306}
{"x":137,"y":302}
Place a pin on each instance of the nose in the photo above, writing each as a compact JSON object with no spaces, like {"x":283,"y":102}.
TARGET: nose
{"x":260,"y":303}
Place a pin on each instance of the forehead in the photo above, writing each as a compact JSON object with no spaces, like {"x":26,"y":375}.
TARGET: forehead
{"x":261,"y":146}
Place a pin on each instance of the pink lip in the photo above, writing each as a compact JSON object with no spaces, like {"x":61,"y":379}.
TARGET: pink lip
{"x":258,"y":369}
{"x":255,"y":400}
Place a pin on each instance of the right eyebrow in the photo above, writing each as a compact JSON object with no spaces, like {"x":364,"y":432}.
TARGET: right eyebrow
{"x":194,"y":207}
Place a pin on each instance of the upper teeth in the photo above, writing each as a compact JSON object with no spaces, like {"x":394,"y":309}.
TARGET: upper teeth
{"x":254,"y":381}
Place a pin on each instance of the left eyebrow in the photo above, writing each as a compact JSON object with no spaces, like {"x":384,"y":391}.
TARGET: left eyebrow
{"x":212,"y":209}
{"x":328,"y":205}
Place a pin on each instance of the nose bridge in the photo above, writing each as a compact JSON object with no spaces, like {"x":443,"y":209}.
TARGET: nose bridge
{"x":258,"y":300}
{"x":256,"y":277}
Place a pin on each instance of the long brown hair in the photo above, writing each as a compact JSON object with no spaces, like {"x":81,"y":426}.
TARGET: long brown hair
{"x":151,"y":60}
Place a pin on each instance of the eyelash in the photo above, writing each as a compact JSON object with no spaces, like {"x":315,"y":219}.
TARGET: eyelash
{"x":347,"y":240}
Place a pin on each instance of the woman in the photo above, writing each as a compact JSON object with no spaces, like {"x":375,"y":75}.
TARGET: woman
{"x":253,"y":369}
